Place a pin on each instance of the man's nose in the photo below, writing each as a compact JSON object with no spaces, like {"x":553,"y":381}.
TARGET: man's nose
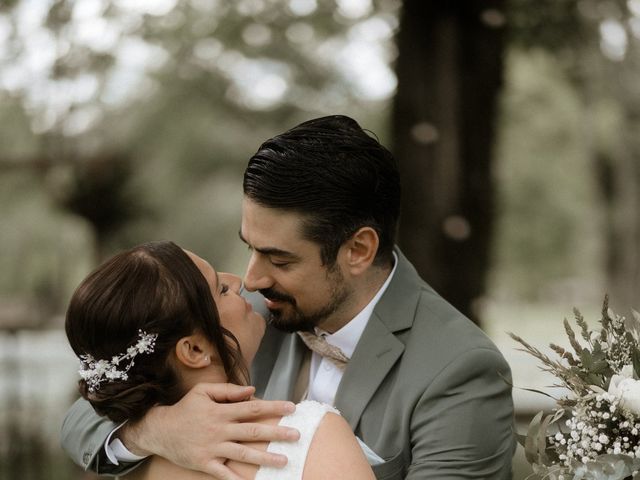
{"x":256,"y":277}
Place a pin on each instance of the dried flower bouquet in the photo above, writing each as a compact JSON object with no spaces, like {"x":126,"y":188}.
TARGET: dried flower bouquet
{"x":594,"y":432}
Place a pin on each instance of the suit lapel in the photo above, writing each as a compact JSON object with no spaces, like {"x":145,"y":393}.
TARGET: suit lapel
{"x":285,"y":369}
{"x":366,"y":369}
{"x":379,"y":348}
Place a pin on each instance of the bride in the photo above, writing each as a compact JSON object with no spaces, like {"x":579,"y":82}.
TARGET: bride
{"x":155,"y":321}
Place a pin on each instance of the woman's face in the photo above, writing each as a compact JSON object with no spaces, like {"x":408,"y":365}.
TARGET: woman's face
{"x":236,"y":314}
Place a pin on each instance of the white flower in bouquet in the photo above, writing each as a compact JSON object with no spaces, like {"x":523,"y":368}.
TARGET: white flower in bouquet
{"x":626,"y":389}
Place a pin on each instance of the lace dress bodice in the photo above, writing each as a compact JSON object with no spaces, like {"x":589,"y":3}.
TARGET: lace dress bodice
{"x":305,"y":419}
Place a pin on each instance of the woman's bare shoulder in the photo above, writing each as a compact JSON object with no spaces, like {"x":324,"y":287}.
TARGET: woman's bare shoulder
{"x":335,"y":453}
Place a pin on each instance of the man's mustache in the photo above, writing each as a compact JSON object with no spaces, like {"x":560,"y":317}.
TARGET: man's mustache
{"x":271,"y":294}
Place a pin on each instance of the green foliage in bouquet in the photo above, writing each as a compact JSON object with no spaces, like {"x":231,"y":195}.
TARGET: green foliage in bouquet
{"x":594,"y":432}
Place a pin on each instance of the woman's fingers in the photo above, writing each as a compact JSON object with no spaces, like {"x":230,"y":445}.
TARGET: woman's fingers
{"x":225,"y":392}
{"x":254,"y":409}
{"x":244,"y":454}
{"x":230,"y":396}
{"x":257,"y":432}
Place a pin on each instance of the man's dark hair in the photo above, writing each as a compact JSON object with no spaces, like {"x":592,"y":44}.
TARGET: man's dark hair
{"x":336,"y":175}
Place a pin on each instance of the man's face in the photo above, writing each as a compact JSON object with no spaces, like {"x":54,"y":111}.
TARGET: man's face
{"x":287,"y":269}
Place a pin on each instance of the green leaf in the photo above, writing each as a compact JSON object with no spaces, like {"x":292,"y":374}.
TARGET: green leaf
{"x":542,"y":438}
{"x":576,"y":371}
{"x":634,"y":322}
{"x":557,"y":415}
{"x":533,"y":390}
{"x":600,"y":367}
{"x":598,"y":356}
{"x":594,"y":379}
{"x":586,"y":359}
{"x":530,"y":444}
{"x":635,"y":358}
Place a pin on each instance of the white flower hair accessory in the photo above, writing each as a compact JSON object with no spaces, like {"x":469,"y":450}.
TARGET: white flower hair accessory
{"x":94,"y":372}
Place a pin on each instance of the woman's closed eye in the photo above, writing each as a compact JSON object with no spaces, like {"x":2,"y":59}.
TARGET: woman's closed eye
{"x":224,"y":289}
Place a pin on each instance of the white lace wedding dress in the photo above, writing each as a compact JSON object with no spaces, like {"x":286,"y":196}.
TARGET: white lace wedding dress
{"x":306,"y":419}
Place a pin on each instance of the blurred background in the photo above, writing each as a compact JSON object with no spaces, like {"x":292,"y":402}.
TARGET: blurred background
{"x":515,"y":123}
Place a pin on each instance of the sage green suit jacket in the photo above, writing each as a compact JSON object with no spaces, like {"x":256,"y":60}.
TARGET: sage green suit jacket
{"x":424,"y":389}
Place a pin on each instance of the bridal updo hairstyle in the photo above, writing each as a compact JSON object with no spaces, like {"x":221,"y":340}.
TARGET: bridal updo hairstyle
{"x":156,"y":288}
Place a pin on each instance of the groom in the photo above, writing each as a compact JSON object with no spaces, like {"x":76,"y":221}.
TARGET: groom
{"x":421,"y":386}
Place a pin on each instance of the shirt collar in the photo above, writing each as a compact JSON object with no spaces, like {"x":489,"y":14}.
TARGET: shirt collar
{"x":348,"y":336}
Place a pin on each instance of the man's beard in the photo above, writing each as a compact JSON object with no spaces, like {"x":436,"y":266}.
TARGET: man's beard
{"x":294,"y":319}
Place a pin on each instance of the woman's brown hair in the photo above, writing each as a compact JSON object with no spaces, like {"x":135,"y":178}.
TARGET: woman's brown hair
{"x":154,"y":287}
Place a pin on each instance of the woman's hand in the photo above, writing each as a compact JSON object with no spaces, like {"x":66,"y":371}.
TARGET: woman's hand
{"x":203,"y":429}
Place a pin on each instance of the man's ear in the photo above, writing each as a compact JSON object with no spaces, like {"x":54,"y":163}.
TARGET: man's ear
{"x":194,"y":351}
{"x":361,"y":250}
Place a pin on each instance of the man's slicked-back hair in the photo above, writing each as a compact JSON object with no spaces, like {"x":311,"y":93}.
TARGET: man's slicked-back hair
{"x":336,"y":175}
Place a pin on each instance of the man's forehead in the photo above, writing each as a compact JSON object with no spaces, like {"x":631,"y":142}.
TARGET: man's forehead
{"x":269,"y":221}
{"x":275,"y":240}
{"x":266,"y":228}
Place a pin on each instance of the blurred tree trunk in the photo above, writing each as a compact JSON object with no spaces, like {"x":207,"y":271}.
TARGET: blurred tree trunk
{"x":626,"y":278}
{"x":618,"y":176}
{"x":449,"y":71}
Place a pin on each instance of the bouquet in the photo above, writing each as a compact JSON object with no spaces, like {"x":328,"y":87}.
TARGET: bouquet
{"x":594,"y":431}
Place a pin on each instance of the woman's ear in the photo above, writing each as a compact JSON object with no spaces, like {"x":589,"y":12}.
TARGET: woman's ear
{"x":194,"y":351}
{"x":361,"y":250}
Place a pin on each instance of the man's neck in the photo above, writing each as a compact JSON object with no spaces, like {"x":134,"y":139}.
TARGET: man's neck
{"x":363,"y":292}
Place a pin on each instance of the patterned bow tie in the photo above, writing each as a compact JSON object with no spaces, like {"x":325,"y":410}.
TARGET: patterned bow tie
{"x":320,"y":345}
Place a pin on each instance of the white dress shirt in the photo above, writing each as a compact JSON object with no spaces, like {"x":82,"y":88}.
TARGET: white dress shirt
{"x":116,"y":451}
{"x":324,"y":375}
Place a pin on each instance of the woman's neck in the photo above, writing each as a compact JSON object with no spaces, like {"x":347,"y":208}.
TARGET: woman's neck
{"x":192,"y":376}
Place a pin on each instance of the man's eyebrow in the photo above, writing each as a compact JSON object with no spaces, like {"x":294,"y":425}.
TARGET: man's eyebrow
{"x":271,"y":250}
